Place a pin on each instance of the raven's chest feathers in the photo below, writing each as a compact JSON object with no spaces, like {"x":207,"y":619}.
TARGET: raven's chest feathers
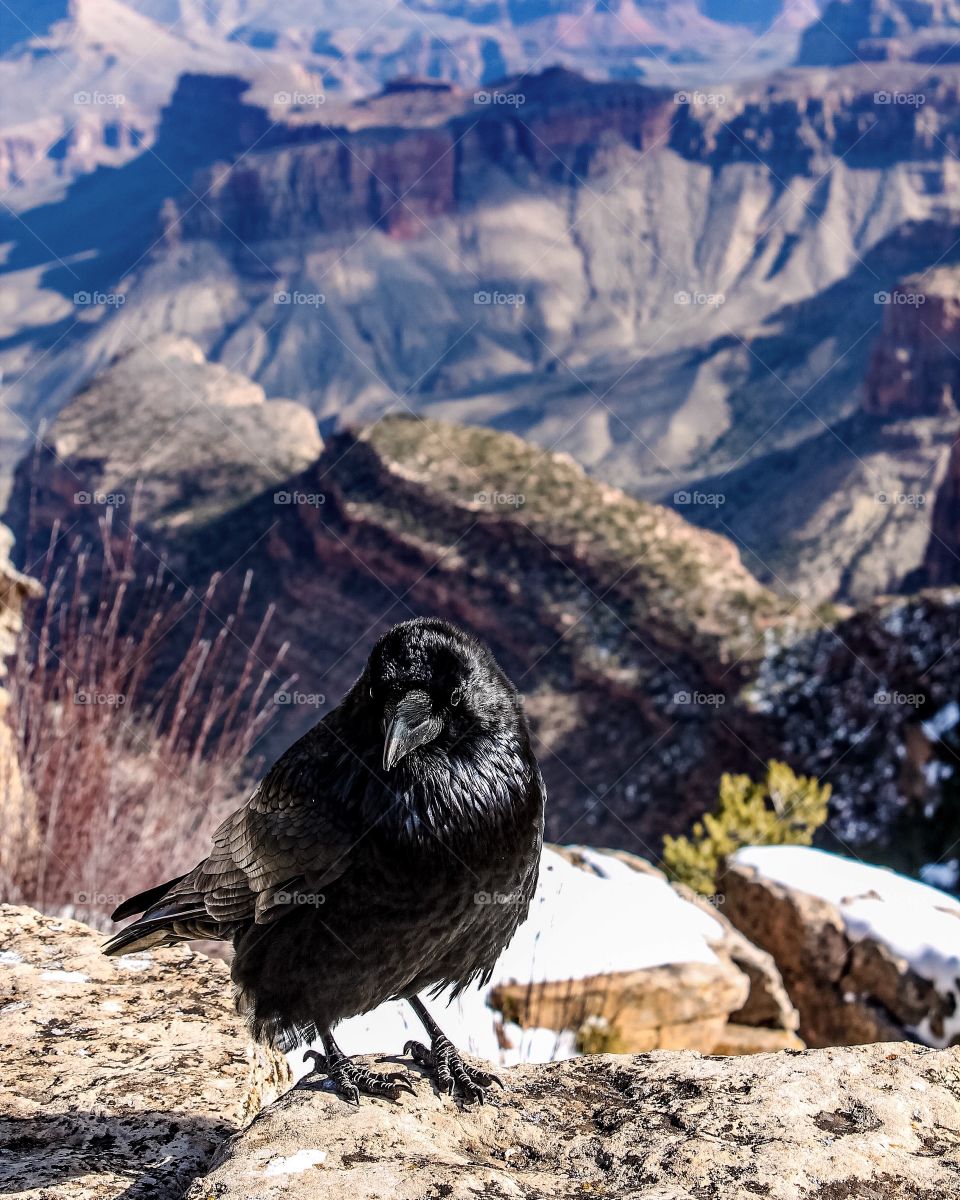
{"x":476,"y":808}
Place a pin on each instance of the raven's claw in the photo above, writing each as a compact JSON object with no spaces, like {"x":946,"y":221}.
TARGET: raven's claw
{"x":451,"y":1073}
{"x":349,"y":1079}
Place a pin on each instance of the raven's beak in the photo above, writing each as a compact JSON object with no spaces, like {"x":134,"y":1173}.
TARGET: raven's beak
{"x":408,"y":724}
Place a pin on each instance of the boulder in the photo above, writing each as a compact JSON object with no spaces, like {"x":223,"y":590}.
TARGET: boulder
{"x":767,"y":1006}
{"x":877,"y":1122}
{"x":850,"y":973}
{"x":683,"y":1005}
{"x":168,"y":439}
{"x":120,"y":1076}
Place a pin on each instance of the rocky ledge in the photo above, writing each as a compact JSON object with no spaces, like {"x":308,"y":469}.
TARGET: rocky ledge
{"x":132,"y":1078}
{"x":877,"y":1121}
{"x":118,"y":1077}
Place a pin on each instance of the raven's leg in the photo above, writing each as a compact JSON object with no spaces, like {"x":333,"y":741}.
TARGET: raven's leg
{"x":350,"y":1079}
{"x":444,"y":1062}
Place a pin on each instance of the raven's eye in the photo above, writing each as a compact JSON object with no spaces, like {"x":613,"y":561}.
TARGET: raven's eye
{"x":456,"y":696}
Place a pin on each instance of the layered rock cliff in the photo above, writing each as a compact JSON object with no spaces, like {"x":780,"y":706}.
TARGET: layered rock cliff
{"x":678,"y":288}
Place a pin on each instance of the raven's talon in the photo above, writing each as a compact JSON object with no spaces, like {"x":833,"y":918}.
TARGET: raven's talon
{"x":450,"y":1072}
{"x":349,"y":1079}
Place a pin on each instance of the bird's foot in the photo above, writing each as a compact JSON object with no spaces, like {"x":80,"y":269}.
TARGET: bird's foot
{"x":451,"y":1073}
{"x":349,"y":1079}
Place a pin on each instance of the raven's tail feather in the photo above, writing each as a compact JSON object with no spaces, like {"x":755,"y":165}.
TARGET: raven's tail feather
{"x":135,"y":937}
{"x":144,"y":900}
{"x":182,"y":918}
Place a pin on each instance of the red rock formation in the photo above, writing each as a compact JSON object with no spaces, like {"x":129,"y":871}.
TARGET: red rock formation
{"x":915,"y":367}
{"x":392,"y":165}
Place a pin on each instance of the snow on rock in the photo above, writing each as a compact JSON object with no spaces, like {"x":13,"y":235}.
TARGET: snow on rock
{"x":296,"y":1164}
{"x":585,"y":920}
{"x":918,"y":923}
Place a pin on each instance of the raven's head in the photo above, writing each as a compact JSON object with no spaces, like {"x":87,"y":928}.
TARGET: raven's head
{"x":433,"y":685}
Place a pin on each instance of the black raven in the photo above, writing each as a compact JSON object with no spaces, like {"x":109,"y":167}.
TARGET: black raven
{"x":394,"y":848}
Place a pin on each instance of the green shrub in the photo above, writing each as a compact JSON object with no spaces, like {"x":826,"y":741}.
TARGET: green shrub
{"x":783,"y":809}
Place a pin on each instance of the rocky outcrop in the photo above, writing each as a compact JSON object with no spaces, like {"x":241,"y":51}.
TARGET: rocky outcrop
{"x":915,"y":369}
{"x":768,"y":1019}
{"x":167,"y":438}
{"x":603,"y":608}
{"x":15,"y":590}
{"x":880,"y":1122}
{"x":850,"y":988}
{"x":119,"y":1076}
{"x":20,"y":835}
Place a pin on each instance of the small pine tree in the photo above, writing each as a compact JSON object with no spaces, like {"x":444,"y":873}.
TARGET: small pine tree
{"x":783,"y":809}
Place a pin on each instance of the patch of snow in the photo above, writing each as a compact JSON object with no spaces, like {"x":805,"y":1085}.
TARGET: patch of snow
{"x":294,"y":1164}
{"x":944,"y":875}
{"x":10,"y":958}
{"x":139,"y":962}
{"x":581,"y":923}
{"x":942,"y":722}
{"x":66,"y":976}
{"x":917,"y":922}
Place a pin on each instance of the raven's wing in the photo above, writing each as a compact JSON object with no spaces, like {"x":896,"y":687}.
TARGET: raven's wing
{"x":285,"y":841}
{"x":291,"y":838}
